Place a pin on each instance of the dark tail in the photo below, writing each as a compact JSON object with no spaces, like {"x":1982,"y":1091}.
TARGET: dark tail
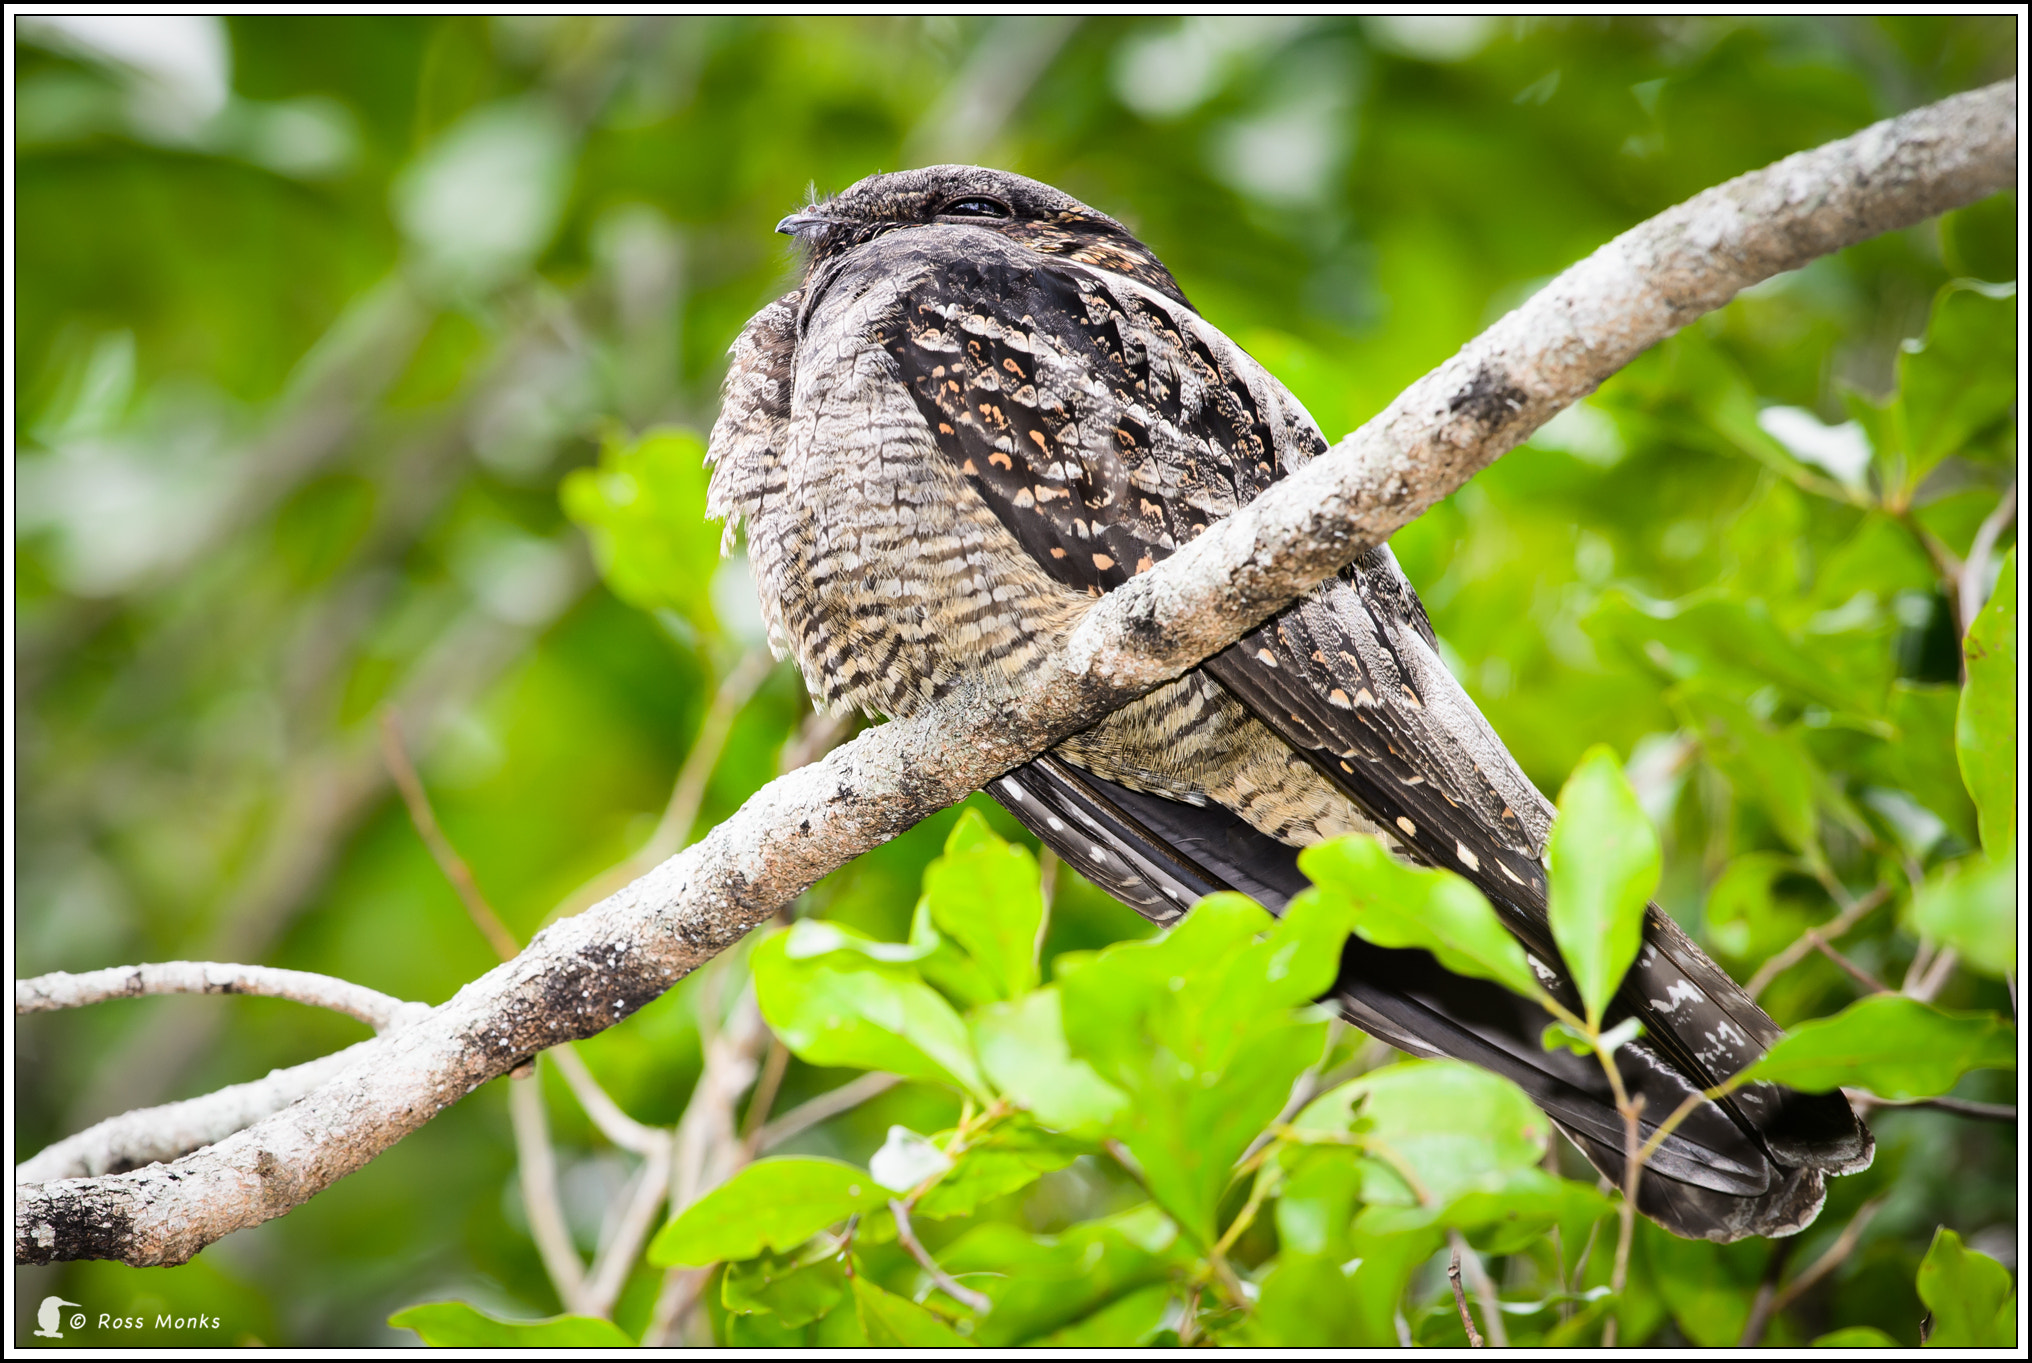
{"x":1751,"y":1165}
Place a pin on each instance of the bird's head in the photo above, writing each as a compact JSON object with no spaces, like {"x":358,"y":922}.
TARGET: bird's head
{"x":1033,"y":214}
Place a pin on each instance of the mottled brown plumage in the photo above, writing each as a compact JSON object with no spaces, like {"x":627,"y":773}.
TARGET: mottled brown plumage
{"x":988,"y":404}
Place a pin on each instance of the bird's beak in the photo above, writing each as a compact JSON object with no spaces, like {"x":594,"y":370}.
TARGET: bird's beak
{"x":805,"y":220}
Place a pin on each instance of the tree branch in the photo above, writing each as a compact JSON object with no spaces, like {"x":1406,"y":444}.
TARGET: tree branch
{"x":586,"y":973}
{"x":48,"y":993}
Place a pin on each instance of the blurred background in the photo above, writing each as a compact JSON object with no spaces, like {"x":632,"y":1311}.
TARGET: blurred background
{"x":331,"y":335}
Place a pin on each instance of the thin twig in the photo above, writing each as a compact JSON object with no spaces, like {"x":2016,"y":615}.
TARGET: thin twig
{"x":448,"y":860}
{"x":1460,"y":1299}
{"x":1959,"y":1107}
{"x":616,"y":1258}
{"x":824,"y":1107}
{"x":538,"y":1165}
{"x":59,"y":989}
{"x":1929,"y":985}
{"x":1972,"y":582}
{"x":906,"y":1236}
{"x":680,"y":813}
{"x":766,"y":1088}
{"x":1763,"y":1305}
{"x":1843,"y":1246}
{"x":1465,"y":1258}
{"x":1852,"y":913}
{"x":616,"y":1125}
{"x":1854,"y":971}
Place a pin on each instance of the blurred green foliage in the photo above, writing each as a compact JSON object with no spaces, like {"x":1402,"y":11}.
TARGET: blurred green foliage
{"x":325,"y":329}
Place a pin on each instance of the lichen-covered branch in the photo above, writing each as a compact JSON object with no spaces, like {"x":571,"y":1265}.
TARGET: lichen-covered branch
{"x":586,"y":973}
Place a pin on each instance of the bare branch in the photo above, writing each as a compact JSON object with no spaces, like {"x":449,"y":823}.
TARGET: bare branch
{"x":942,"y":1280}
{"x":1852,"y":913}
{"x":153,"y":1135}
{"x":616,"y":1258}
{"x":1460,"y":1301}
{"x":424,"y":819}
{"x":616,"y":1125}
{"x":823,"y":1108}
{"x":538,"y":1165}
{"x":48,"y":993}
{"x":1973,"y":582}
{"x":1466,"y":1260}
{"x":1843,"y":1246}
{"x":584,"y":974}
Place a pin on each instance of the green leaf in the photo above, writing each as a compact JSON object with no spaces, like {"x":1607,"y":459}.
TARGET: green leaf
{"x":985,"y":895}
{"x":1768,"y":767}
{"x":1316,"y":1205}
{"x":1856,"y":1337}
{"x":1961,"y":386}
{"x":1045,"y":1283}
{"x":1743,"y":915}
{"x":1604,"y":866}
{"x":1972,"y":906}
{"x":894,"y":1322}
{"x":1128,"y":1322}
{"x":835,"y":1005}
{"x":796,"y":1288}
{"x":1013,"y":1155}
{"x":772,"y":1204}
{"x":1307,"y":1301}
{"x":1891,"y":1045}
{"x":1967,"y":1292}
{"x":455,"y":1325}
{"x":1196,"y":1028}
{"x":644,"y":508}
{"x":1023,"y":1050}
{"x":1452,"y":1127}
{"x":1394,"y":905}
{"x":1986,"y":725}
{"x":1921,"y":756}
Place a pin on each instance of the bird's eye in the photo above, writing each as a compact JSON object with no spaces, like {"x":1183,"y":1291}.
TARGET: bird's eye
{"x":975,"y":207}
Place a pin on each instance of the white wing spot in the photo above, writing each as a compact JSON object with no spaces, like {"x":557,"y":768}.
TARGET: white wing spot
{"x":1468,"y":859}
{"x":1410,"y":828}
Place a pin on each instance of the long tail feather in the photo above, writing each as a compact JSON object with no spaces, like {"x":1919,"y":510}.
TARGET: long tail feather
{"x":1727,"y":1172}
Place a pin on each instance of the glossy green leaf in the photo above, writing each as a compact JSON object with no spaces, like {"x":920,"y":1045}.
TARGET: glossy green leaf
{"x":1041,"y":1284}
{"x":1308,"y":1301}
{"x":1196,"y":1029}
{"x":1856,"y":1337}
{"x":1986,"y":725}
{"x":1604,"y":864}
{"x":985,"y":895}
{"x":1972,"y":906}
{"x":1128,"y":1322}
{"x":1023,"y":1051}
{"x":1960,"y":385}
{"x":773,"y":1204}
{"x":836,"y":1006}
{"x":1013,"y":1155}
{"x":1394,"y":905}
{"x":894,"y":1322}
{"x":1766,"y":766}
{"x":795,"y":1288}
{"x":1434,"y":1130}
{"x":1893,"y":1046}
{"x":1968,"y":1293}
{"x":455,"y":1325}
{"x":644,"y":508}
{"x":1743,"y":915}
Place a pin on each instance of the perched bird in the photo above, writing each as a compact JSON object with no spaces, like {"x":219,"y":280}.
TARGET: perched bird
{"x":986,"y":405}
